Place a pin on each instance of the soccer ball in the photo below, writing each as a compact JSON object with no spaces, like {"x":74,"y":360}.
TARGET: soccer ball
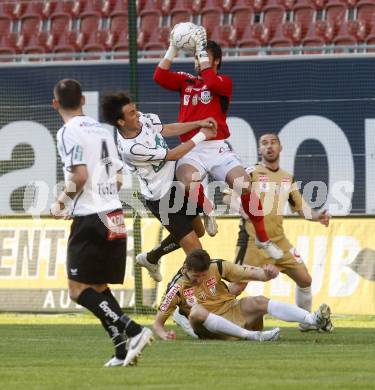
{"x":182,"y":36}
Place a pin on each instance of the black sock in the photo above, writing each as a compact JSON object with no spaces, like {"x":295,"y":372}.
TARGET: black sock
{"x":118,"y":339}
{"x":166,"y":246}
{"x":131,"y":328}
{"x":102,"y":307}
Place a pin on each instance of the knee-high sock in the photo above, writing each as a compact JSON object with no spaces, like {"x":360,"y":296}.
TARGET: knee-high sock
{"x":252,"y":204}
{"x":290,"y":313}
{"x":167,"y":245}
{"x":107,"y":309}
{"x":304,"y":297}
{"x":217,"y":324}
{"x":197,"y":195}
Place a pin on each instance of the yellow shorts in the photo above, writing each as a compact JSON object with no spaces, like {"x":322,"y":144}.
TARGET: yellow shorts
{"x":232,"y":313}
{"x":257,"y":257}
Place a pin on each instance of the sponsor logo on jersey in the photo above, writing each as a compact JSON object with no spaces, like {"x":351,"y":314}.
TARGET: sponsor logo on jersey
{"x":189,"y":296}
{"x":169,"y":296}
{"x":211,"y":284}
{"x":205,"y":97}
{"x":194,"y":101}
{"x":263,"y":183}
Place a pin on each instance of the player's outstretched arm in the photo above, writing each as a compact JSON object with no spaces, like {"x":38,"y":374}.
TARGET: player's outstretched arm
{"x":311,"y":215}
{"x":180,"y":150}
{"x":176,"y":129}
{"x":160,"y":329}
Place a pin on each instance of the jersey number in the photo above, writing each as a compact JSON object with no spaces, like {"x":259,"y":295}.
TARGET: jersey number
{"x":105,"y":156}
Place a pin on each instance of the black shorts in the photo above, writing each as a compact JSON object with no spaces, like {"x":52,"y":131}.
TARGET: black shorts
{"x":95,"y":255}
{"x":178,"y":223}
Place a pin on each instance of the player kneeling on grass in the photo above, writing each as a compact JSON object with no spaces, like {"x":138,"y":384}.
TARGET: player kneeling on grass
{"x":200,"y":293}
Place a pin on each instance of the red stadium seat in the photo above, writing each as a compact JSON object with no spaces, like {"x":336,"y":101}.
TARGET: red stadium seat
{"x":121,"y":44}
{"x":97,"y":41}
{"x":31,"y":15}
{"x":60,"y":21}
{"x":287,"y":4}
{"x":151,"y":5}
{"x":60,"y":7}
{"x":286,"y":35}
{"x":224,"y":35}
{"x":7,"y":9}
{"x":241,"y":16}
{"x":318,"y":34}
{"x":90,"y":21}
{"x":37,"y":44}
{"x":10,"y":44}
{"x":273,"y":15}
{"x":366,"y":13}
{"x":254,"y":36}
{"x":211,"y":17}
{"x":90,"y":6}
{"x":256,"y":5}
{"x":345,"y":37}
{"x":5,"y":24}
{"x":149,"y":21}
{"x":179,"y":15}
{"x":319,"y":4}
{"x":304,"y":13}
{"x":336,"y":13}
{"x":118,"y":22}
{"x":66,"y":43}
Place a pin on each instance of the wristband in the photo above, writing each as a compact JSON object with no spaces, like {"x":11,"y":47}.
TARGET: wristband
{"x":202,"y":56}
{"x":199,"y":137}
{"x":171,"y":53}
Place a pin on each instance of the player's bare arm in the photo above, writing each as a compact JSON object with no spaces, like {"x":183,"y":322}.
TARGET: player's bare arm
{"x":322,"y":217}
{"x":75,"y":184}
{"x":160,"y":329}
{"x":175,"y":129}
{"x":261,"y":274}
{"x":180,"y":150}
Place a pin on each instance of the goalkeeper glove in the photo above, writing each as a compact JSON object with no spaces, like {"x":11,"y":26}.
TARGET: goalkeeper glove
{"x":172,"y":49}
{"x":200,"y":39}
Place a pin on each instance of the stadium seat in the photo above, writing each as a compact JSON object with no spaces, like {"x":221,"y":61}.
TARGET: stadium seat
{"x":256,"y":5}
{"x":336,"y":13}
{"x":273,"y":15}
{"x":210,"y":18}
{"x":304,"y":12}
{"x":254,"y":36}
{"x":10,"y":44}
{"x":224,"y":35}
{"x":345,"y":37}
{"x":60,"y":21}
{"x":149,"y":21}
{"x":89,"y":21}
{"x":193,"y":6}
{"x":37,"y":44}
{"x":5,"y":24}
{"x":179,"y":15}
{"x":366,"y":13}
{"x":66,"y":43}
{"x":7,"y":9}
{"x":58,"y":7}
{"x":319,"y":34}
{"x":118,"y":22}
{"x":151,"y":5}
{"x":241,"y":16}
{"x":319,"y":4}
{"x":31,"y":16}
{"x":97,"y":41}
{"x":121,"y":44}
{"x":89,"y":6}
{"x":286,"y":4}
{"x":286,"y":35}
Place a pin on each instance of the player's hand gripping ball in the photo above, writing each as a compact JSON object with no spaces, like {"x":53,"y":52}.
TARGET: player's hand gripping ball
{"x":183,"y":36}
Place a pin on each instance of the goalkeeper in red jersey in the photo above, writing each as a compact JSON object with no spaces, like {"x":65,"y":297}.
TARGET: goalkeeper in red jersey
{"x":209,"y":94}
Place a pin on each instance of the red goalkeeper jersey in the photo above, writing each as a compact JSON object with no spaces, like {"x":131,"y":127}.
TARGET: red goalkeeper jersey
{"x":200,"y":97}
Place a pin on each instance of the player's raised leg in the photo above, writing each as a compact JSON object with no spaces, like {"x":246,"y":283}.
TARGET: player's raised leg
{"x":237,"y":179}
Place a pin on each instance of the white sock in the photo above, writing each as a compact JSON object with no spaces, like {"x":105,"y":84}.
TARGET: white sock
{"x":290,"y":313}
{"x":217,"y":324}
{"x":304,"y":298}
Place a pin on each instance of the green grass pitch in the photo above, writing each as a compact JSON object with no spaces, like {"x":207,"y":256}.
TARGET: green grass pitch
{"x":68,"y":351}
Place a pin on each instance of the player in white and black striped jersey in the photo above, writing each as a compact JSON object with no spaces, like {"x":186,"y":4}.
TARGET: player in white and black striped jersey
{"x":97,"y":241}
{"x":145,"y":152}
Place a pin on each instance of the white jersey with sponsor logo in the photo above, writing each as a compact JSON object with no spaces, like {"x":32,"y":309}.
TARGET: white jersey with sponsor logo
{"x":145,"y":155}
{"x":84,"y":141}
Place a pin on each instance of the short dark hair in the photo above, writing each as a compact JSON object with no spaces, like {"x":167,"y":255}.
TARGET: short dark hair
{"x":68,"y":92}
{"x":215,"y":50}
{"x":112,"y":103}
{"x":270,"y":133}
{"x":198,"y":260}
